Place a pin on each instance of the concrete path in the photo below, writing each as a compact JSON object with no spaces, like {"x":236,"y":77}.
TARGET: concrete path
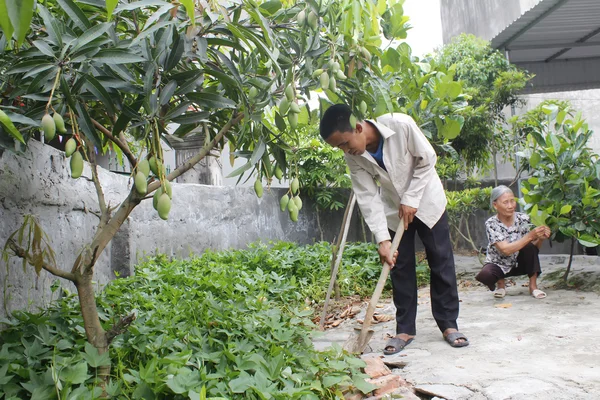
{"x":521,"y":348}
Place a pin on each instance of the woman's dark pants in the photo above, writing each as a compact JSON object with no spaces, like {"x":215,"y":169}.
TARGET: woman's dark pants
{"x":528,"y":263}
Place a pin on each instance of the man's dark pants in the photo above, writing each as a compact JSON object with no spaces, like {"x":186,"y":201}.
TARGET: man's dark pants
{"x":444,"y":293}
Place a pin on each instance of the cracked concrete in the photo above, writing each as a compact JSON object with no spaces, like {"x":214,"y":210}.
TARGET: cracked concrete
{"x":521,"y":348}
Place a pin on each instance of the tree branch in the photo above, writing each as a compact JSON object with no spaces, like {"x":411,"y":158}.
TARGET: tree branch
{"x":119,"y":142}
{"x":20,"y":252}
{"x":119,"y":327}
{"x":201,"y":154}
{"x":98,"y":186}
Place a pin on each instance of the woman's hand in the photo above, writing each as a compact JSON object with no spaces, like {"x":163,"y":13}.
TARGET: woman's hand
{"x":384,"y":253}
{"x":540,"y":233}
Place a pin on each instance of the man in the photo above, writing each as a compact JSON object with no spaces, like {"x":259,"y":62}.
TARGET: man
{"x":392,"y":166}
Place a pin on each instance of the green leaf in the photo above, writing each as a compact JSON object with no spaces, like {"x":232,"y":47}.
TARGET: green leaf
{"x":451,"y":128}
{"x":44,"y":48}
{"x":86,"y":125}
{"x":76,"y":374}
{"x":93,"y":358}
{"x":588,"y":240}
{"x":211,"y":100}
{"x":75,"y":13}
{"x":565,"y":209}
{"x":117,"y":56}
{"x":110,"y":7}
{"x":362,"y":385}
{"x":10,"y":127}
{"x":176,"y":52}
{"x":20,"y":13}
{"x":242,"y":383}
{"x":535,"y":159}
{"x":51,"y":25}
{"x":5,"y":24}
{"x":101,"y":94}
{"x":549,"y":108}
{"x":331,"y":380}
{"x":189,"y":9}
{"x":89,"y":35}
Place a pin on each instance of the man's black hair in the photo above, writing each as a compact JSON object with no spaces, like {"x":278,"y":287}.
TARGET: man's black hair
{"x":335,"y":119}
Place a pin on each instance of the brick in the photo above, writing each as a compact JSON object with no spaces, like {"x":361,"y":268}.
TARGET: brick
{"x":375,"y":367}
{"x":387,"y":384}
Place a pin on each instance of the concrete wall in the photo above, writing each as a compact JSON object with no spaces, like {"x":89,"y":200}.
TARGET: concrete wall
{"x":202,"y":217}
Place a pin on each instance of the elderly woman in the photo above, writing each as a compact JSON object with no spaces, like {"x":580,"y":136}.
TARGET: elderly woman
{"x":513,"y":246}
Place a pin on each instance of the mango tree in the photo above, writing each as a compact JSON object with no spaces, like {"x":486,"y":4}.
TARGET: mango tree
{"x":120,"y":75}
{"x":562,"y":190}
{"x":490,"y":84}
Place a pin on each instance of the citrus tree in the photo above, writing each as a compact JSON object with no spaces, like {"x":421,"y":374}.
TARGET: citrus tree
{"x":121,"y":75}
{"x":563,"y":189}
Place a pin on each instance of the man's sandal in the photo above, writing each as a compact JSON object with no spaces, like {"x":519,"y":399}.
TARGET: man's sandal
{"x":396,"y":344}
{"x":451,"y":338}
{"x":500,"y":293}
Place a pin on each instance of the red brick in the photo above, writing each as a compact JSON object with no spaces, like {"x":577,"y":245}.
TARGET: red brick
{"x":375,"y":367}
{"x":386,"y":384}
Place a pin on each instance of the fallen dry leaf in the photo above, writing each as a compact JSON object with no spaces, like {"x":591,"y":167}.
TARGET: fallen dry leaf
{"x":382,"y":318}
{"x":503,"y":305}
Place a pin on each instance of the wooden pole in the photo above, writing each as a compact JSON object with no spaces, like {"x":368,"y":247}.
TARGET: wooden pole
{"x":337,"y":258}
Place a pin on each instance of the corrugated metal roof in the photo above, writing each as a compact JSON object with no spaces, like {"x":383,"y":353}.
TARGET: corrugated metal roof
{"x":553,"y":30}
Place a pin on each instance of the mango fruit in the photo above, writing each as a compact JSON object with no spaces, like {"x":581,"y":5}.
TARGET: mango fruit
{"x":59,"y":122}
{"x":295,"y":185}
{"x":253,"y":92}
{"x":278,"y":173}
{"x":258,"y":189}
{"x":283,"y":202}
{"x":284,"y":106}
{"x":144,"y":167}
{"x":293,"y":120}
{"x":76,"y":164}
{"x":153,"y":165}
{"x":332,"y":84}
{"x":164,"y":206}
{"x":48,"y":127}
{"x":298,"y":202}
{"x":294,"y":108}
{"x":301,"y":18}
{"x":363,"y":107}
{"x":155,"y":198}
{"x":70,"y":147}
{"x":313,"y":20}
{"x":289,"y":92}
{"x":294,"y":215}
{"x":168,"y":189}
{"x":140,"y":183}
{"x":324,"y":80}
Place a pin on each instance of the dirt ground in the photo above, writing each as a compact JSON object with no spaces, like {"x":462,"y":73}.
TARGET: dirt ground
{"x":521,"y":348}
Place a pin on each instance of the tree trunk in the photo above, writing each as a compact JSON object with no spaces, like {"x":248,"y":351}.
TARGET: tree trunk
{"x":566,"y":275}
{"x":319,"y":223}
{"x":96,"y":335}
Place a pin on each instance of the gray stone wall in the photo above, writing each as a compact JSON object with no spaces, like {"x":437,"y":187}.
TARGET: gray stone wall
{"x":202,"y":217}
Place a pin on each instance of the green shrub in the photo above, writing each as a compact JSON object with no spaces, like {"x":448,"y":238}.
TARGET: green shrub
{"x":232,"y":324}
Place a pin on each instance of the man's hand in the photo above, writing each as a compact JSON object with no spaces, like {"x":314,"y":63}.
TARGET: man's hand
{"x":384,"y":253}
{"x":408,"y":213}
